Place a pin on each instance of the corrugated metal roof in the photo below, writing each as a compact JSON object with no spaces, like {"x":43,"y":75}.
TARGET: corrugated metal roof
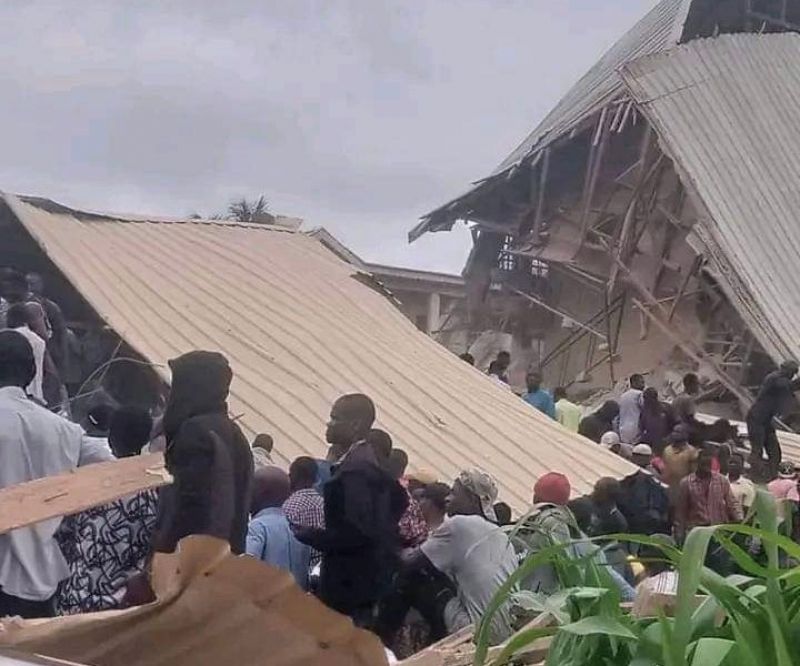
{"x":728,"y":111}
{"x":299,"y":331}
{"x":658,"y":30}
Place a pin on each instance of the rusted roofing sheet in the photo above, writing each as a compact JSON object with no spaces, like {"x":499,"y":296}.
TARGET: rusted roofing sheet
{"x":299,"y":331}
{"x":727,"y":111}
{"x":658,"y":30}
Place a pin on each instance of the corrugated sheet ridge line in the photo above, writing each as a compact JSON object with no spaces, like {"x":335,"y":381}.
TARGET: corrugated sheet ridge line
{"x":652,"y":33}
{"x":299,"y":330}
{"x":727,"y":110}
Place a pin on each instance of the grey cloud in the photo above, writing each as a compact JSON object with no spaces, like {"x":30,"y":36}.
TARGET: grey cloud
{"x":356,"y":114}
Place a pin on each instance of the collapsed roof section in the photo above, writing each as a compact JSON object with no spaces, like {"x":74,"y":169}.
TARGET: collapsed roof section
{"x":650,"y":187}
{"x":727,"y":111}
{"x":299,"y":331}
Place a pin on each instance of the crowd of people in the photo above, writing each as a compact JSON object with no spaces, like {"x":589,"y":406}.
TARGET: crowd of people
{"x":403,"y":553}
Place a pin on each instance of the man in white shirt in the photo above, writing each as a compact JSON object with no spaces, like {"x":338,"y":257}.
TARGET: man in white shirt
{"x":630,"y":410}
{"x":17,"y":319}
{"x":34,"y":443}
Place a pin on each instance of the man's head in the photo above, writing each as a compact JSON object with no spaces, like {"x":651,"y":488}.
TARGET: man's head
{"x":552,"y":488}
{"x":381,"y":443}
{"x":15,"y":286}
{"x":559,"y":394}
{"x":679,"y":438}
{"x":35,"y":283}
{"x":467,"y":358}
{"x":691,"y":383}
{"x":736,"y":466}
{"x":534,"y":380}
{"x":302,"y":473}
{"x":608,"y":411}
{"x":704,"y":462}
{"x":264,"y":441}
{"x":641,"y":455}
{"x":637,"y":382}
{"x":650,"y":397}
{"x":433,"y":502}
{"x":129,"y":431}
{"x":503,"y":360}
{"x":351,"y":418}
{"x":611,"y":441}
{"x":17,"y":316}
{"x":474,"y":493}
{"x":789,"y":368}
{"x":398,"y":461}
{"x":28,"y":314}
{"x":17,"y":364}
{"x":606,"y":491}
{"x":786,"y":470}
{"x":270,"y":488}
{"x":503,"y":513}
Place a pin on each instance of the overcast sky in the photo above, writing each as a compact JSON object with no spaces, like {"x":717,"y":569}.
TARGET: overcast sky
{"x":357,"y":115}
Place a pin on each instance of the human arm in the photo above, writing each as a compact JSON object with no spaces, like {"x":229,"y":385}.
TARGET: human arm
{"x":256,"y":543}
{"x":93,"y":450}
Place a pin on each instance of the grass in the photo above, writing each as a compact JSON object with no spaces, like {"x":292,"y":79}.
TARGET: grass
{"x":743,"y":620}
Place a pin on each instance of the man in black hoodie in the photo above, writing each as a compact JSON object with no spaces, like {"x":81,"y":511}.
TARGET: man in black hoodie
{"x":363,"y":505}
{"x":207,"y":455}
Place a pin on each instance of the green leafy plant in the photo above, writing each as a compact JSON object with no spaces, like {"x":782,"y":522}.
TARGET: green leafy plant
{"x":742,"y":620}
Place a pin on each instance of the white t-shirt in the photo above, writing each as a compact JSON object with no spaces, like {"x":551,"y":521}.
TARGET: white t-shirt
{"x":478,"y":557}
{"x":35,"y":443}
{"x":39,"y":346}
{"x":630,"y":408}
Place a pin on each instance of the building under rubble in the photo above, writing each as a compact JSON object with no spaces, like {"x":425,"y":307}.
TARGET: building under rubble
{"x":649,"y":222}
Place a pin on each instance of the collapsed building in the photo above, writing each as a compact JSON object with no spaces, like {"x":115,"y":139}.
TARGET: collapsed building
{"x":299,"y":326}
{"x":649,"y":222}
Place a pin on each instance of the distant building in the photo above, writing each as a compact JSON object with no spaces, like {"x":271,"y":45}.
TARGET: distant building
{"x":435,"y":302}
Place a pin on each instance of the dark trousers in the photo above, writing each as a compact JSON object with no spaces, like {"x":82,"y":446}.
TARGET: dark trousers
{"x":25,"y":608}
{"x":763,"y":438}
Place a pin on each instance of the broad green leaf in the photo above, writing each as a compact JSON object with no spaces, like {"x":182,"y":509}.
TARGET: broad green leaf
{"x":599,"y":625}
{"x":522,"y":640}
{"x":711,"y":651}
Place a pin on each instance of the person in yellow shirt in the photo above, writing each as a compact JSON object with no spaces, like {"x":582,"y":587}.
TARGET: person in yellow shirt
{"x":679,"y":458}
{"x":568,"y":414}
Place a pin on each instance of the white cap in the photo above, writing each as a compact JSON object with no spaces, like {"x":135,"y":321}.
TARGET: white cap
{"x":609,"y":439}
{"x":642,"y":450}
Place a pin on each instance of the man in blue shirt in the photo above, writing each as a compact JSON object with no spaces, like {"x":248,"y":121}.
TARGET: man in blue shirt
{"x":537,"y":396}
{"x":269,"y":536}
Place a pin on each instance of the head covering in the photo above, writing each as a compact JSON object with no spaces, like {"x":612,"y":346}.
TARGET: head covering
{"x":786,"y":470}
{"x":483,"y":487}
{"x":423,"y":476}
{"x":609,"y":440}
{"x":553,"y":488}
{"x":642,"y":450}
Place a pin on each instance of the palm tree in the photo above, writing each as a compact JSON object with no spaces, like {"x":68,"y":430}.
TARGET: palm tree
{"x":256,"y":212}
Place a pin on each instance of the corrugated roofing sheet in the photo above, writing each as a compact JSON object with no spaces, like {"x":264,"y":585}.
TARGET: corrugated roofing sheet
{"x":728,"y":111}
{"x":658,"y":30}
{"x":299,"y":331}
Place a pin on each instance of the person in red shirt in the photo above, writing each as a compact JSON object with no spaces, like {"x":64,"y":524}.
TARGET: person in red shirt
{"x":705,"y":498}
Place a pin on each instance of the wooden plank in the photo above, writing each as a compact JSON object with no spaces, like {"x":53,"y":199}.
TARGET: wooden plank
{"x":53,"y":496}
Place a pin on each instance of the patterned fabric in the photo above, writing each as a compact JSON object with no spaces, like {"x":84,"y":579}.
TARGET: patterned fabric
{"x":105,"y":546}
{"x":706,"y":501}
{"x":412,"y":526}
{"x":306,"y":508}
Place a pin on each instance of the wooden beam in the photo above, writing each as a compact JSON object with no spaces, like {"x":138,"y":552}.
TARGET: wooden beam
{"x":543,"y":173}
{"x":596,"y":155}
{"x":696,"y":264}
{"x":64,"y":494}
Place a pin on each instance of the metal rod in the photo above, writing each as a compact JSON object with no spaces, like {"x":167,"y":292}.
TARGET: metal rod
{"x":549,"y":308}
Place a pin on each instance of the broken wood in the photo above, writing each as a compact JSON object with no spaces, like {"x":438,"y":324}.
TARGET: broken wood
{"x":543,"y":172}
{"x":549,"y":308}
{"x":65,"y":494}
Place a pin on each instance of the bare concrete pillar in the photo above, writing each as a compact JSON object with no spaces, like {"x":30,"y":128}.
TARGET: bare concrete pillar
{"x":434,"y":312}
